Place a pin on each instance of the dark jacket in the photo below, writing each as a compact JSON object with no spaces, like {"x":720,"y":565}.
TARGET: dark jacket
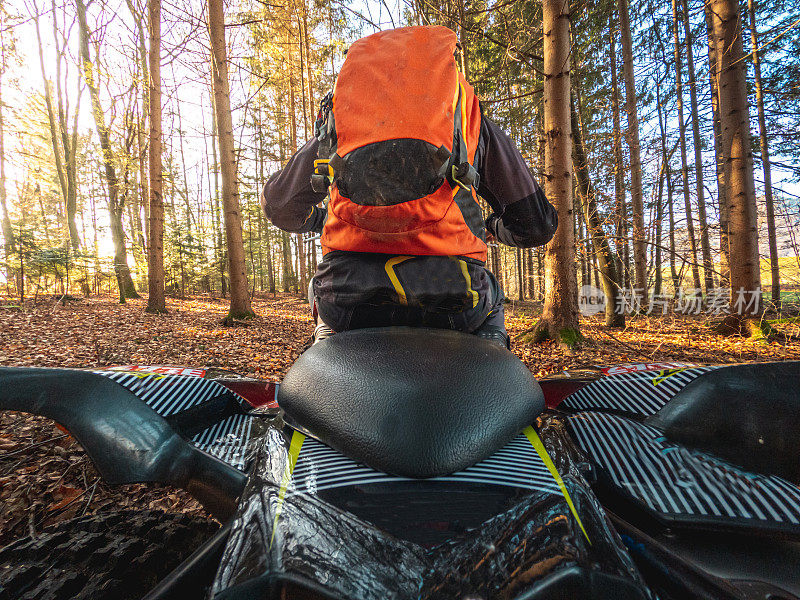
{"x":521,"y":216}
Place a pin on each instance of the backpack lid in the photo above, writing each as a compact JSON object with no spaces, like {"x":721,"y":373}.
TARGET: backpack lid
{"x":401,"y":83}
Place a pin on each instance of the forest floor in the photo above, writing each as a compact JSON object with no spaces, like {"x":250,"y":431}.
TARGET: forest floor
{"x":45,"y":477}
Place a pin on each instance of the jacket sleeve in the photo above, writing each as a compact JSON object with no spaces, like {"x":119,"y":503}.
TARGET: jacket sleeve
{"x":522,"y":216}
{"x":288,"y":199}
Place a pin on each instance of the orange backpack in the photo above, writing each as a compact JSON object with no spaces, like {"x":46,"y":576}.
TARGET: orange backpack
{"x":397,"y":146}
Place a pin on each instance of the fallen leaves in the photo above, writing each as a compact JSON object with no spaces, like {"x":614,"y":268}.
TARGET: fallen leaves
{"x":64,"y":496}
{"x":644,"y":339}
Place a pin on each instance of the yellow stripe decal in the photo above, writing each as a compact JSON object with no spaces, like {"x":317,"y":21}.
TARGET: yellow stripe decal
{"x":537,"y":444}
{"x":291,"y":460}
{"x":465,"y":271}
{"x":390,"y":264}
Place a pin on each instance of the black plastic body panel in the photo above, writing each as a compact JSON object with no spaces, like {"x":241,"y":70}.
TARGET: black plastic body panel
{"x":533,"y":549}
{"x":127,"y":441}
{"x":747,"y":414}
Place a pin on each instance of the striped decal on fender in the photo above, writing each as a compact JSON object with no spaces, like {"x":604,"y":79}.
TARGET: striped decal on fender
{"x":516,"y":465}
{"x":172,"y":394}
{"x":639,"y":393}
{"x":675,"y":481}
{"x":227,"y":440}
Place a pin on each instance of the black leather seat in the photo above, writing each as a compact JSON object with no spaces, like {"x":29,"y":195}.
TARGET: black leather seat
{"x":409,"y":401}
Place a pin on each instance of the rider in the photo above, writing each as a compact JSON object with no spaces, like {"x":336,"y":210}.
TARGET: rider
{"x":402,"y":150}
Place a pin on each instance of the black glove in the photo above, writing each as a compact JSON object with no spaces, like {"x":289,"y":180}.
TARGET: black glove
{"x":491,"y":224}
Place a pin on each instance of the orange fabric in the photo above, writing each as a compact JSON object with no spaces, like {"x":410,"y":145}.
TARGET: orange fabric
{"x":397,"y":84}
{"x":447,"y":236}
{"x":385,"y":90}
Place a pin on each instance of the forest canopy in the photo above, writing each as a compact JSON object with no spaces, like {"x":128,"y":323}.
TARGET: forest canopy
{"x":648,"y":206}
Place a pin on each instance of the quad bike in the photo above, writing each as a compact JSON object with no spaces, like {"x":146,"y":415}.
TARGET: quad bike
{"x":422,"y":464}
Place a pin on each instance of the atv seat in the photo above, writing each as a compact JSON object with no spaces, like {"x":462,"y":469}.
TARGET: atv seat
{"x":410,"y":401}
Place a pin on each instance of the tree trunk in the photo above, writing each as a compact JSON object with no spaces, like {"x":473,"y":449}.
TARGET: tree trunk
{"x":121,"y":269}
{"x":156,"y":301}
{"x":632,"y":134}
{"x":313,"y":256}
{"x":620,"y":206}
{"x":738,"y":159}
{"x":8,"y":230}
{"x":673,"y":272}
{"x":312,"y":112}
{"x":560,"y":314}
{"x":240,"y":299}
{"x":582,"y":249}
{"x":302,"y":266}
{"x":684,"y":160}
{"x":705,"y":246}
{"x":767,"y":168}
{"x":303,"y":91}
{"x":270,"y":263}
{"x":144,"y":188}
{"x":54,"y":142}
{"x":664,"y":176}
{"x":497,"y":264}
{"x":606,"y":262}
{"x":302,"y":282}
{"x":286,"y":274}
{"x":190,"y":218}
{"x":719,"y":165}
{"x":221,"y":257}
{"x":657,"y":280}
{"x":531,"y":274}
{"x":69,"y":140}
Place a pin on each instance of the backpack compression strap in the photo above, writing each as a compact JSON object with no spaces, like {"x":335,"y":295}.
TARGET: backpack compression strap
{"x":328,"y":161}
{"x":458,"y":170}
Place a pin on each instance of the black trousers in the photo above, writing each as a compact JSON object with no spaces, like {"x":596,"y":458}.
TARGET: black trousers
{"x":361,"y":316}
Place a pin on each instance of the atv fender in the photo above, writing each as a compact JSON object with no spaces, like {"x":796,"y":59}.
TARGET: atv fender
{"x":127,"y":441}
{"x":747,"y":414}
